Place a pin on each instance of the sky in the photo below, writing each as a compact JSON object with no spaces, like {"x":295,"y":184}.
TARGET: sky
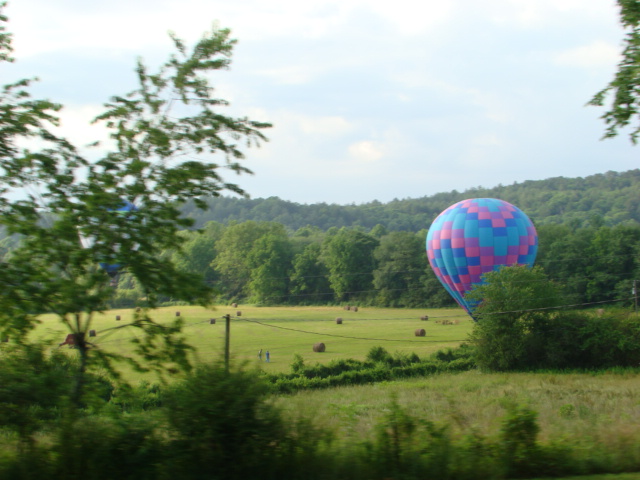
{"x":369,"y":99}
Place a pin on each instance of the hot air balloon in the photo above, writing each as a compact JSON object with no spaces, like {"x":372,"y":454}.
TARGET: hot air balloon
{"x":113,"y":270}
{"x":477,"y":236}
{"x":125,"y":210}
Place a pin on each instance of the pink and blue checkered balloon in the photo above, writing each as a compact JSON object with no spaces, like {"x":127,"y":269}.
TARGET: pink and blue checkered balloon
{"x":124,"y":210}
{"x":477,"y":236}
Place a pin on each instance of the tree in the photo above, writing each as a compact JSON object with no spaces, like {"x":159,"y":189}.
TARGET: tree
{"x":198,"y":251}
{"x":400,"y":275}
{"x":379,"y":231}
{"x":564,"y":256}
{"x":349,"y":257}
{"x":624,"y":86}
{"x":270,"y":263}
{"x":168,"y":136}
{"x":512,"y":316}
{"x":612,"y":263}
{"x":309,"y":278}
{"x":232,"y":260}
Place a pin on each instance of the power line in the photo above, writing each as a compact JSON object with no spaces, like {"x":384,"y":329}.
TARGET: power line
{"x":558,"y":307}
{"x":431,"y":317}
{"x":346,"y":336}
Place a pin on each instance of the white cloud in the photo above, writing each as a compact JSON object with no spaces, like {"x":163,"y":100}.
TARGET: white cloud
{"x":409,"y":17}
{"x":366,"y":151}
{"x":300,"y":145}
{"x":134,"y":26}
{"x":326,"y":126}
{"x":76,"y":126}
{"x":309,"y":127}
{"x":290,"y":74}
{"x":369,"y":98}
{"x":538,"y":13}
{"x":595,"y":55}
{"x":42,"y":27}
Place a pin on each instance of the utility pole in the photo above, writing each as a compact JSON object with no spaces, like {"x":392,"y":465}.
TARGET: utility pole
{"x":227,"y":337}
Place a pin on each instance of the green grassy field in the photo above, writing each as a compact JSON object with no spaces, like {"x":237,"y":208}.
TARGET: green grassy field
{"x":583,"y":404}
{"x":604,"y":407}
{"x":594,"y":415}
{"x":285,"y":331}
{"x":597,"y":413}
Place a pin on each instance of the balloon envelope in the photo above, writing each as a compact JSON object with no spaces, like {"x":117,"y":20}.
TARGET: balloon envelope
{"x":477,"y":236}
{"x":127,"y":207}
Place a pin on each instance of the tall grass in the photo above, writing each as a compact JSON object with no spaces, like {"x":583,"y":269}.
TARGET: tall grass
{"x":589,"y":408}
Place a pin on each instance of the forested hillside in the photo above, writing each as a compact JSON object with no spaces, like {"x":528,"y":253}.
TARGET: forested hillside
{"x":610,"y":198}
{"x":374,"y":254}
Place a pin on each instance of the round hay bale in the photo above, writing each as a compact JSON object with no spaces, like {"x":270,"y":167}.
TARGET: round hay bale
{"x":238,"y":313}
{"x":600,"y":312}
{"x":355,"y":309}
{"x":319,"y":347}
{"x":420,"y":332}
{"x":348,"y":307}
{"x":92,"y":333}
{"x":138,"y":309}
{"x":177,"y":313}
{"x":424,"y":317}
{"x":212,"y":321}
{"x":339,"y":321}
{"x":117,"y":317}
{"x":234,"y":305}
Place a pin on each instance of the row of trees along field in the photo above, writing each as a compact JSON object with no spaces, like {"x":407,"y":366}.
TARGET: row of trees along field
{"x":264,"y":263}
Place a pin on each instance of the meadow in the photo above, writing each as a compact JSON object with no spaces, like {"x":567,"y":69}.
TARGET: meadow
{"x":286,"y":331}
{"x":599,"y":408}
{"x":594,"y":414}
{"x":602,"y":406}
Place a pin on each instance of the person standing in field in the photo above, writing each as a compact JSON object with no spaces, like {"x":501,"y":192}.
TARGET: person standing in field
{"x":266,"y":355}
{"x":260,"y":354}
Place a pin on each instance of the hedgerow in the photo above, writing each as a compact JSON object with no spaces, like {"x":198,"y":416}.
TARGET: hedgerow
{"x":379,"y":366}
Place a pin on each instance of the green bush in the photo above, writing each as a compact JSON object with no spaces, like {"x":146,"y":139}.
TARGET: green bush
{"x":104,"y":447}
{"x":378,"y":354}
{"x":518,"y":328}
{"x":32,"y":387}
{"x":145,"y":396}
{"x":222,"y":426}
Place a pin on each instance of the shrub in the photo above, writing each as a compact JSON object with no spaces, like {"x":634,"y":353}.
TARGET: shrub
{"x":297,"y":365}
{"x":378,"y":354}
{"x":106,"y":447}
{"x":222,"y":425}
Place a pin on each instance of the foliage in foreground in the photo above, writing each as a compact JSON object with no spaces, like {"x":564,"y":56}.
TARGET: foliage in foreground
{"x":623,"y":108}
{"x":170,"y":143}
{"x":219,"y":424}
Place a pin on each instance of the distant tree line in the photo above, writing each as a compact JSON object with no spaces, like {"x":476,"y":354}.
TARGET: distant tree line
{"x":589,"y":243}
{"x":264,"y":263}
{"x":610,"y":199}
